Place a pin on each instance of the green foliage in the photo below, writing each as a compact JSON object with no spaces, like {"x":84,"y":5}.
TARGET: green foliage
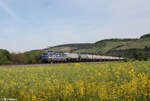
{"x":126,"y":60}
{"x":80,"y":45}
{"x":116,"y":40}
{"x":147,"y":49}
{"x":33,"y":57}
{"x":4,"y":57}
{"x":138,"y":54}
{"x":145,"y":36}
{"x":19,"y":58}
{"x":141,"y":55}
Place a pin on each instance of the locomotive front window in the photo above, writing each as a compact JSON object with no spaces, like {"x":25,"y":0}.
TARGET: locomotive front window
{"x":45,"y":54}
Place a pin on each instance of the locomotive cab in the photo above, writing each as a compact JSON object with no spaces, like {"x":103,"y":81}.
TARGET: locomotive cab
{"x":46,"y":56}
{"x":53,"y":57}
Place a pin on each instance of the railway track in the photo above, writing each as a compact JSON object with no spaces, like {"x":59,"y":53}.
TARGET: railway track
{"x":29,"y":65}
{"x":38,"y":65}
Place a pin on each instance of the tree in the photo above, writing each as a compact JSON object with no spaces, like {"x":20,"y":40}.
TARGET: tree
{"x":5,"y":57}
{"x":140,"y":55}
{"x":19,"y":58}
{"x":34,"y":57}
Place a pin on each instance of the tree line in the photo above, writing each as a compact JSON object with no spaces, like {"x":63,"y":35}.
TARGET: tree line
{"x":19,"y":58}
{"x":35,"y":57}
{"x":137,"y":54}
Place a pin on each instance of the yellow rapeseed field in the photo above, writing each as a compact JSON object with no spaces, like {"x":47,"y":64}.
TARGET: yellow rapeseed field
{"x":113,"y":81}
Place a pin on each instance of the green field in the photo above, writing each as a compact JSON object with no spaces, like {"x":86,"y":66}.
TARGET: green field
{"x":112,"y":81}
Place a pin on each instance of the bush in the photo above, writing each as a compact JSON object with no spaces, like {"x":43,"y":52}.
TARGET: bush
{"x":126,"y":60}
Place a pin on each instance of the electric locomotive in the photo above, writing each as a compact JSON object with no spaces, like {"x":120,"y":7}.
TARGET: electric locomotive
{"x":53,"y":57}
{"x":74,"y":57}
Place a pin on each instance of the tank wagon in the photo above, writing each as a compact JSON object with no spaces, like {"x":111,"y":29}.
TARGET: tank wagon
{"x":53,"y":57}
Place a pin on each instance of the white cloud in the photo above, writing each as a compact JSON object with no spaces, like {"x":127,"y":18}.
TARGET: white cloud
{"x":7,"y":9}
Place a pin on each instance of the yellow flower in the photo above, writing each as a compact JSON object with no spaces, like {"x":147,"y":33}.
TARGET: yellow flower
{"x":77,"y":64}
{"x":34,"y":98}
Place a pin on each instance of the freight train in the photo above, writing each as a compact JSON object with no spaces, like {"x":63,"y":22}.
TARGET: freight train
{"x":53,"y":57}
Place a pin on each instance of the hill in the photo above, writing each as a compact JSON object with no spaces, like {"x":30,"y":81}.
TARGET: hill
{"x":70,"y":47}
{"x":104,"y":47}
{"x":130,"y":48}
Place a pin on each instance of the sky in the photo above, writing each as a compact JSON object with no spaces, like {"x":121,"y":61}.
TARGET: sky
{"x":35,"y":24}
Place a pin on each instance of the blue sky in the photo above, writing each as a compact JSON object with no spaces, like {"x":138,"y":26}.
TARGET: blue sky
{"x":36,"y":24}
